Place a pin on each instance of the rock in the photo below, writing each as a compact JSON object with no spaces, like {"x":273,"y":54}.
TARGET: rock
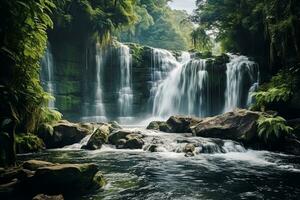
{"x":65,"y":133}
{"x":291,"y":146}
{"x":134,"y":143}
{"x":114,"y":125}
{"x":46,"y":197}
{"x":189,"y":150}
{"x":121,"y":134}
{"x":182,"y":124}
{"x":295,"y":124}
{"x":121,"y":143}
{"x":28,"y":143}
{"x":152,"y":148}
{"x":33,"y":165}
{"x":98,"y":138}
{"x":239,"y":125}
{"x":66,"y":179}
{"x":175,"y":124}
{"x":99,"y":179}
{"x":159,"y":126}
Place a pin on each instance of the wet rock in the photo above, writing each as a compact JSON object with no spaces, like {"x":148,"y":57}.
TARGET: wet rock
{"x":115,"y":125}
{"x":189,"y":150}
{"x":69,"y":179}
{"x":239,"y":125}
{"x":121,"y":143}
{"x":152,"y":148}
{"x":134,"y":143}
{"x":98,"y":138}
{"x":182,"y":124}
{"x":122,"y":134}
{"x":159,"y":126}
{"x":64,"y":133}
{"x":47,"y":197}
{"x":33,"y":165}
{"x":99,"y":179}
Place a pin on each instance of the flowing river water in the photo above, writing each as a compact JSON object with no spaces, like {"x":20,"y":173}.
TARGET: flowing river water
{"x":221,"y":169}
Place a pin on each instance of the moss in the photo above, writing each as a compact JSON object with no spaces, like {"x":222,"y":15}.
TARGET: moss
{"x":99,"y":179}
{"x":28,"y":143}
{"x":137,"y":52}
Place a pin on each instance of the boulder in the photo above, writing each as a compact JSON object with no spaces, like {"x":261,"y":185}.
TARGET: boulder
{"x":239,"y":125}
{"x":98,"y":138}
{"x":182,"y":124}
{"x":134,"y":143}
{"x":66,"y":179}
{"x":122,"y":134}
{"x":47,"y":197}
{"x":121,"y":143}
{"x":33,"y":165}
{"x":159,"y":126}
{"x":64,"y":133}
{"x":175,"y":124}
{"x":189,"y":150}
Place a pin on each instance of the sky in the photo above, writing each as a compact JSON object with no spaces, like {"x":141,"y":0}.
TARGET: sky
{"x":188,"y":5}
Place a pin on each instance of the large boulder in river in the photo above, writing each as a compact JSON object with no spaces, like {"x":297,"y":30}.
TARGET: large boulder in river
{"x":98,"y":138}
{"x":66,"y":179}
{"x":63,"y":133}
{"x":47,"y":197}
{"x":182,"y":124}
{"x":239,"y":125}
{"x":175,"y":124}
{"x":126,"y":139}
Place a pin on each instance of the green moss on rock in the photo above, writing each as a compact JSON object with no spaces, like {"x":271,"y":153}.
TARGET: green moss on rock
{"x":27,"y":143}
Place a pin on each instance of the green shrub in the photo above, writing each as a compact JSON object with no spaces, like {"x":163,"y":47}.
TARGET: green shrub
{"x":271,"y":127}
{"x":49,"y":115}
{"x":280,"y":89}
{"x":27,"y":143}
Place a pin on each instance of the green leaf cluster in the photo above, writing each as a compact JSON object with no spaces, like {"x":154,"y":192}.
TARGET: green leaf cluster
{"x":270,"y":128}
{"x":280,"y":89}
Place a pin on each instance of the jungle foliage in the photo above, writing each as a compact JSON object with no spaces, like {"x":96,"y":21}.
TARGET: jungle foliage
{"x":265,"y":29}
{"x":272,"y":128}
{"x":23,"y":38}
{"x":159,"y":26}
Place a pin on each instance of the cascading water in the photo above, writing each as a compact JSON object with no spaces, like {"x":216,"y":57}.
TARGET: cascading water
{"x":199,"y":88}
{"x":93,"y":107}
{"x":125,"y":99}
{"x":242,"y":79}
{"x":162,"y":62}
{"x":47,"y":74}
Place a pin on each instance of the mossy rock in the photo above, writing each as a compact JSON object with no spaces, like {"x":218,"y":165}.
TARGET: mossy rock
{"x":28,"y":143}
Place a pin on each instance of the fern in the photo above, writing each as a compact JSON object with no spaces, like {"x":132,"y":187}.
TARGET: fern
{"x":272,"y":127}
{"x":49,"y":115}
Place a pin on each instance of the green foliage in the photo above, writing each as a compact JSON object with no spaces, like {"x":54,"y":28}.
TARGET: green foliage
{"x":266,"y":29}
{"x":23,"y":40}
{"x":201,"y":40}
{"x":159,"y":26}
{"x":270,"y":128}
{"x":89,"y":16}
{"x":279,"y":89}
{"x":26,"y":143}
{"x":49,"y":115}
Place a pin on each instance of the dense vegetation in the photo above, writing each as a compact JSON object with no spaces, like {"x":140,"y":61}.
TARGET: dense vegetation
{"x":159,"y":26}
{"x":267,"y":30}
{"x":23,"y":38}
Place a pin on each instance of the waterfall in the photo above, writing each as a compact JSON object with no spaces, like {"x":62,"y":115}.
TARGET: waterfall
{"x":93,"y":108}
{"x":125,"y":99}
{"x":47,"y":74}
{"x":242,"y":78}
{"x":183,"y":91}
{"x":162,"y":62}
{"x":198,"y":88}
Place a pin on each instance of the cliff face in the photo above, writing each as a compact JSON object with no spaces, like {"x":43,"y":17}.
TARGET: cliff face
{"x":123,"y":81}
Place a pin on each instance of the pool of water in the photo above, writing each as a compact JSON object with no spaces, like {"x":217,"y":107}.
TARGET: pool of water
{"x":142,"y":175}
